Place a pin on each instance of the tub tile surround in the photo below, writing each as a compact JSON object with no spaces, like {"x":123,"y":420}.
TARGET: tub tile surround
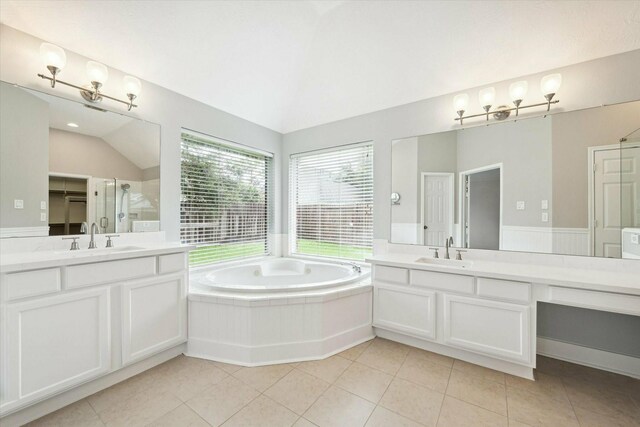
{"x":284,"y":395}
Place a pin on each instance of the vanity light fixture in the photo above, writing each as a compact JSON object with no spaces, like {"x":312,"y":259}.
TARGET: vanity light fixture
{"x":549,"y":86}
{"x":55,"y":59}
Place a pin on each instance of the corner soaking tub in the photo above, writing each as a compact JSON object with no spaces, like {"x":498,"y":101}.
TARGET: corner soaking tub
{"x":282,"y":274}
{"x":278,"y":310}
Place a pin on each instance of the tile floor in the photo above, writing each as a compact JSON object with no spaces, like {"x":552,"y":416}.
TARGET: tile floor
{"x":378,"y":383}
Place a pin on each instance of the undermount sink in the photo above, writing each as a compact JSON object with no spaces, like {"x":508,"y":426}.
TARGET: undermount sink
{"x":446,"y":262}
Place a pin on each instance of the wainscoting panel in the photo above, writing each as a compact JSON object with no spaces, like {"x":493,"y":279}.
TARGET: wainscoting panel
{"x":563,"y":241}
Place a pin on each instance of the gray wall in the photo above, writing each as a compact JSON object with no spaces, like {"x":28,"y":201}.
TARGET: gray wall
{"x":617,"y":333}
{"x":403,"y":177}
{"x":75,"y":153}
{"x":24,"y":153}
{"x":524,"y":150}
{"x":21,"y":62}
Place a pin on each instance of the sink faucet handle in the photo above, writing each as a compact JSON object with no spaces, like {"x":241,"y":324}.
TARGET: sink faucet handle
{"x":435,"y":252}
{"x":458,"y":255}
{"x":109,"y":242}
{"x":74,"y":245}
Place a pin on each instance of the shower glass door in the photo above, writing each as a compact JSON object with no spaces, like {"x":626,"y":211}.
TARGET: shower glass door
{"x":105,"y":194}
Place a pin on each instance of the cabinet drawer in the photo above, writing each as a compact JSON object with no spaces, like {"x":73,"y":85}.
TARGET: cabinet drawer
{"x":110,"y":271}
{"x":31,"y":283}
{"x":391,"y":274}
{"x":443,"y":281}
{"x":504,"y":289}
{"x":619,"y":303}
{"x":172,"y":263}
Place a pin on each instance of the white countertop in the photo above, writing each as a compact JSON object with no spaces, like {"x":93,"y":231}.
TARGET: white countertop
{"x":19,"y":261}
{"x":598,"y":280}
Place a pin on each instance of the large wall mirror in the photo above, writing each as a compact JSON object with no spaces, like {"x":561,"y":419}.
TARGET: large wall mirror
{"x":66,"y":165}
{"x":567,"y":183}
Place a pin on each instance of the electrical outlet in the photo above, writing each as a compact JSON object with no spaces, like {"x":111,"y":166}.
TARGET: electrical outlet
{"x":545,"y":217}
{"x":18,"y":204}
{"x":43,"y":205}
{"x":544,"y":204}
{"x":43,"y":216}
{"x":634,"y":239}
{"x":520,"y":205}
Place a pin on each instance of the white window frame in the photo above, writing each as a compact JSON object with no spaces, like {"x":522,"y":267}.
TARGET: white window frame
{"x":269,"y":183}
{"x":292,"y":237}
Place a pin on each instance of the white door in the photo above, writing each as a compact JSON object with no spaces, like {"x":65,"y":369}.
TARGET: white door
{"x":53,"y":343}
{"x":615,"y":178}
{"x":492,"y":328}
{"x":405,"y":310}
{"x":154,"y":315}
{"x":437,"y":209}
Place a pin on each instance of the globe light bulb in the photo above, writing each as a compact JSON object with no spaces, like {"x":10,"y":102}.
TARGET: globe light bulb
{"x":53,"y":56}
{"x":97,"y":72}
{"x":460,"y":102}
{"x":487,"y":96}
{"x":132,"y":85}
{"x":550,"y":84}
{"x":518,"y":90}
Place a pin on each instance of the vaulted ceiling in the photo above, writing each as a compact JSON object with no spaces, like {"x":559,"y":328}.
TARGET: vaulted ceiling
{"x":290,"y":65}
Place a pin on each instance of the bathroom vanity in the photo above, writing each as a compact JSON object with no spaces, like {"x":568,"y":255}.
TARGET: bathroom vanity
{"x":70,"y":317}
{"x":484,"y":312}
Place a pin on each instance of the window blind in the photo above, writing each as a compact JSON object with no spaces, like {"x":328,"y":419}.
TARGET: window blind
{"x":225,"y":201}
{"x":331,"y":205}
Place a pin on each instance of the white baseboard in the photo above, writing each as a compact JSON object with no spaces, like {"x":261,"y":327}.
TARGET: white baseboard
{"x":604,"y":360}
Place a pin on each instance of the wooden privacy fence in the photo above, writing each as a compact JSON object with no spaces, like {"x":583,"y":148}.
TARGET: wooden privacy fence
{"x":345,"y":224}
{"x":241,"y":222}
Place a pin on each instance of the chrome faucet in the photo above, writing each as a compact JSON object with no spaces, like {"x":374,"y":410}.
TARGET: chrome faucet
{"x":84,"y":227}
{"x":447,"y":245}
{"x":94,"y":230}
{"x":356,"y":267}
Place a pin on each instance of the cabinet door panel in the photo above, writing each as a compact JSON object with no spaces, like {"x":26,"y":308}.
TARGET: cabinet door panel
{"x":493,"y":328}
{"x":405,"y":310}
{"x":153,"y":316}
{"x":54,"y":343}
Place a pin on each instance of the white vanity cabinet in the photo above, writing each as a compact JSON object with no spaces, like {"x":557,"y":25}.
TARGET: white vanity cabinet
{"x":153,"y":315}
{"x":459,"y":313}
{"x":52,"y":343}
{"x":67,"y":325}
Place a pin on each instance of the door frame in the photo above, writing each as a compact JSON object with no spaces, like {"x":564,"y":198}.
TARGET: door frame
{"x":462,"y":205}
{"x":452,"y":190}
{"x":591,"y":189}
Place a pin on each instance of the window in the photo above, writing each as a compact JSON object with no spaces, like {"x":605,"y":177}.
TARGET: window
{"x":331,"y":204}
{"x":224,"y":203}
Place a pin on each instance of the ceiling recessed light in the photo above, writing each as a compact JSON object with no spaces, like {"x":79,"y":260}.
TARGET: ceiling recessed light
{"x":72,"y":125}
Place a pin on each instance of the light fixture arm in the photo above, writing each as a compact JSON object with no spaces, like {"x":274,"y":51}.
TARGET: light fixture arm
{"x":518,"y":107}
{"x":93,"y":94}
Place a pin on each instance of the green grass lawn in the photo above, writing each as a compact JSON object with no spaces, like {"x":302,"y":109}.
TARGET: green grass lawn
{"x":320,"y":248}
{"x":215,"y":253}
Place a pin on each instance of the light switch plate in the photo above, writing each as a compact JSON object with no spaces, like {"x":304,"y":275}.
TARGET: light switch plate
{"x":634,"y":238}
{"x":544,"y":204}
{"x":545,"y":217}
{"x":43,"y":216}
{"x":520,"y":205}
{"x":18,"y":204}
{"x":43,"y":205}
